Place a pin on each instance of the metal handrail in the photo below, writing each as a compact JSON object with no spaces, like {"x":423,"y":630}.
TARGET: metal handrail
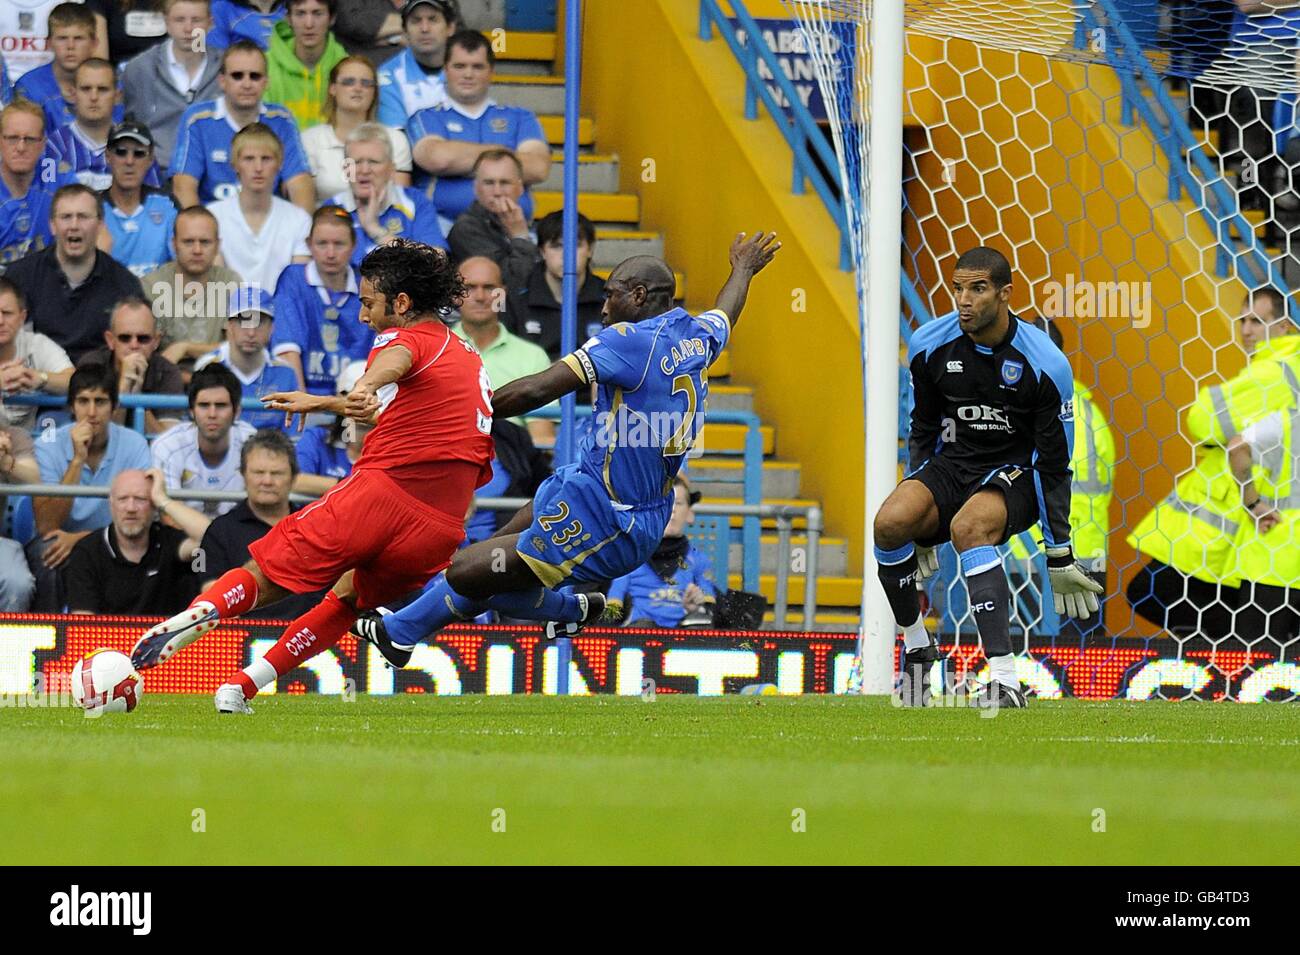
{"x":783,"y":514}
{"x":799,"y":130}
{"x":1176,"y":137}
{"x":751,"y":493}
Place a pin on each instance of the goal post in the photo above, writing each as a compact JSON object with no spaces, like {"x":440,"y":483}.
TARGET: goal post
{"x":1142,"y":174}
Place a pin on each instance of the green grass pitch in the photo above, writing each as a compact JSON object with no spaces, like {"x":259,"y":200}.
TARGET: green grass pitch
{"x":418,"y":779}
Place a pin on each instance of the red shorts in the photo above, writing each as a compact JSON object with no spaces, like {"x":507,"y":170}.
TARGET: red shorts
{"x":365,"y":523}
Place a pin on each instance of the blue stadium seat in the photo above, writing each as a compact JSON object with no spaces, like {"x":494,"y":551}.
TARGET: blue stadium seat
{"x":712,"y":535}
{"x":19,"y":519}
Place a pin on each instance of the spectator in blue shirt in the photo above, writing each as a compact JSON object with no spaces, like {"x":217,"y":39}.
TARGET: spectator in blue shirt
{"x":202,"y":166}
{"x":72,"y":40}
{"x":445,"y":143}
{"x":381,"y":209}
{"x":26,"y":184}
{"x":89,"y":452}
{"x":7,"y":89}
{"x":248,"y":332}
{"x":318,"y":327}
{"x":518,"y":470}
{"x":330,"y":450}
{"x":139,"y":218}
{"x":251,"y":20}
{"x":412,"y":80}
{"x":677,"y":580}
{"x":78,"y":148}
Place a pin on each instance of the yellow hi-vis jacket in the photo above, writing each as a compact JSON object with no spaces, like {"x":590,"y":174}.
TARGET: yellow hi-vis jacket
{"x":1092,"y":459}
{"x":1274,"y":558}
{"x":1195,"y":529}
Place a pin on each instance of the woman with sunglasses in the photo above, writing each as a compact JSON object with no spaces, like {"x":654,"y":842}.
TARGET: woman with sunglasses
{"x":353,"y":99}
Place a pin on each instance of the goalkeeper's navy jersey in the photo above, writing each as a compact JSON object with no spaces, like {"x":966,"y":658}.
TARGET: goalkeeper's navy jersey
{"x":982,"y":408}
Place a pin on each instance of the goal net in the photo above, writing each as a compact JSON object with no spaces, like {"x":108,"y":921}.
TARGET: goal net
{"x":1139,"y":165}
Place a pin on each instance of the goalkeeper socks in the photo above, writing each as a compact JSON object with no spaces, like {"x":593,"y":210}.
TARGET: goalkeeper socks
{"x":233,"y":593}
{"x":990,"y":599}
{"x":436,"y":607}
{"x":314,"y":632}
{"x":915,"y":636}
{"x":897,"y":572}
{"x":538,"y":604}
{"x":1003,"y":670}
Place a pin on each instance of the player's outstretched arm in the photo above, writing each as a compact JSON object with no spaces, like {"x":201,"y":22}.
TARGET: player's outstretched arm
{"x":749,"y":256}
{"x":362,"y":403}
{"x":302,"y":403}
{"x":534,"y":391}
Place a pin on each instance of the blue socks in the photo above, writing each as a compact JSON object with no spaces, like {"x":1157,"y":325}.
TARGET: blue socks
{"x":538,"y":604}
{"x":439,"y":605}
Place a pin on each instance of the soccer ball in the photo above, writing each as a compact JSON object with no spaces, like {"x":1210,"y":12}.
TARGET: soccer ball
{"x":106,"y":682}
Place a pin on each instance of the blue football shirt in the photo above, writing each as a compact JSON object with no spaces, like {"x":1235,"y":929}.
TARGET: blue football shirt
{"x":238,"y":21}
{"x":25,"y":221}
{"x":203,"y":141}
{"x":408,"y":214}
{"x":79,"y":158}
{"x":323,"y":326}
{"x":506,"y":126}
{"x":653,"y":388}
{"x":142,"y":240}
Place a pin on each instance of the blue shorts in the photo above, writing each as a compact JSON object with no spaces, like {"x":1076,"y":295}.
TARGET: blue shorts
{"x":578,"y":534}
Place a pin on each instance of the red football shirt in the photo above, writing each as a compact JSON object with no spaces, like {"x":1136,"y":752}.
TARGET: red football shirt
{"x":440,"y":410}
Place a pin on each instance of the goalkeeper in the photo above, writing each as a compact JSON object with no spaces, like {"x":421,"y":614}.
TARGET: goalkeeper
{"x":991,"y":438}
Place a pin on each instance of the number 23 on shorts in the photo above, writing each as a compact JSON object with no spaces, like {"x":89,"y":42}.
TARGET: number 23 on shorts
{"x":565,"y":534}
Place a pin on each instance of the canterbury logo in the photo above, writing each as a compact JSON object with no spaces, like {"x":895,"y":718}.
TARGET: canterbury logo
{"x":954,"y":367}
{"x":300,"y":641}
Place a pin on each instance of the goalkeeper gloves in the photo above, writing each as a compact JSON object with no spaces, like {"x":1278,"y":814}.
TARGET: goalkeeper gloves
{"x":1074,"y":593}
{"x":927,"y":562}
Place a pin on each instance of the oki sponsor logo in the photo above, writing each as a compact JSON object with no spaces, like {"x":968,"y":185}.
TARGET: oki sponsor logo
{"x":233,"y":596}
{"x":981,"y":413}
{"x":300,"y":641}
{"x":24,"y":44}
{"x":74,"y":908}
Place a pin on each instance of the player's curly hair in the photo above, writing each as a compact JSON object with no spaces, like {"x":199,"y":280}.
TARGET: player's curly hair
{"x":424,"y":273}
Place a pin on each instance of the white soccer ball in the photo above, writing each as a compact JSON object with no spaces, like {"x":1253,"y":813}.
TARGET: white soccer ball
{"x":106,"y":682}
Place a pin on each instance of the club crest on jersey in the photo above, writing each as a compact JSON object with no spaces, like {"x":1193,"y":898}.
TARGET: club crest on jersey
{"x":1011,"y":371}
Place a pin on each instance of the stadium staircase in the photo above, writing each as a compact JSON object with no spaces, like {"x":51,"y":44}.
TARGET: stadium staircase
{"x":525,"y":77}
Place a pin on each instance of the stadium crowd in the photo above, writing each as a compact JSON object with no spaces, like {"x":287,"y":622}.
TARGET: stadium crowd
{"x":186,"y":190}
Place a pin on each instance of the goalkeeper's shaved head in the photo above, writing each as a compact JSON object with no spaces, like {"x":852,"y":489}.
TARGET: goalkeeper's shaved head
{"x":983,"y":259}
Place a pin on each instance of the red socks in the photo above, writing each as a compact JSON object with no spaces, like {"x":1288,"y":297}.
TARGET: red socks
{"x":233,"y":593}
{"x":314,"y":632}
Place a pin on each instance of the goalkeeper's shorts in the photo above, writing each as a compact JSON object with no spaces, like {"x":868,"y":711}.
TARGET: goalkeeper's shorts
{"x":952,"y":486}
